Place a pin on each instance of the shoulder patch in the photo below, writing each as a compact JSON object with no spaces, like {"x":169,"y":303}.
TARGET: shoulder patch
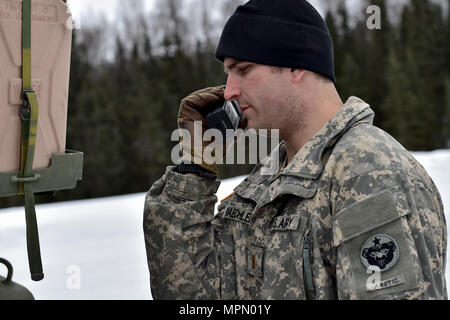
{"x":380,"y":250}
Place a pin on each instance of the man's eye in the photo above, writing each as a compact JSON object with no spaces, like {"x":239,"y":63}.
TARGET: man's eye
{"x":243,"y":70}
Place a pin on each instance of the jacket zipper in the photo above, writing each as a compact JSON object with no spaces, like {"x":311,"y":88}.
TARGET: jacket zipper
{"x":307,"y":271}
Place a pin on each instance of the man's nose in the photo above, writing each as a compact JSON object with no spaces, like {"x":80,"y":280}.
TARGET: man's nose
{"x":232,"y":89}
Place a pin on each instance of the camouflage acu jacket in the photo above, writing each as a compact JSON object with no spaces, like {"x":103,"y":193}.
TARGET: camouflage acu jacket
{"x":352,"y":216}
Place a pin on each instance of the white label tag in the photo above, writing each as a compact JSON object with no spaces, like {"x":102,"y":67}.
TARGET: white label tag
{"x":383,"y":284}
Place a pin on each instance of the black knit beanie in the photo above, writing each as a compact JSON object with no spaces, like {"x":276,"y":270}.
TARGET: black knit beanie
{"x":283,"y":33}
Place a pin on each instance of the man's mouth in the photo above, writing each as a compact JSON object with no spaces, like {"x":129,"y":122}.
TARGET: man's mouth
{"x":245,"y":107}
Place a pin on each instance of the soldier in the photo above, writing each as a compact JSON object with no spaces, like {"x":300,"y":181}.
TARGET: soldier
{"x":350,"y":214}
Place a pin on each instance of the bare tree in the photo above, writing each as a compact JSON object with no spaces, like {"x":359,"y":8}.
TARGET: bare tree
{"x":168,"y":25}
{"x":131,"y":24}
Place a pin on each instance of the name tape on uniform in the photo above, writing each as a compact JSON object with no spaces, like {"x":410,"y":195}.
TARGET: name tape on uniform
{"x":237,"y":214}
{"x":284,"y":223}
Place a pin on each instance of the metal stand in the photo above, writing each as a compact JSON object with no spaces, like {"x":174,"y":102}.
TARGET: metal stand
{"x":64,"y":172}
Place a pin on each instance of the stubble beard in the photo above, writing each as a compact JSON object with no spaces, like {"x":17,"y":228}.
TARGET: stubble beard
{"x":286,"y":112}
{"x":292,"y":120}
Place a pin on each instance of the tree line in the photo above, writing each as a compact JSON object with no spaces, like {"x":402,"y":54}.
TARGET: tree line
{"x":125,"y":92}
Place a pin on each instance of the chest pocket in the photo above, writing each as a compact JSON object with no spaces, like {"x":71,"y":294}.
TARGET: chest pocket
{"x":286,"y":250}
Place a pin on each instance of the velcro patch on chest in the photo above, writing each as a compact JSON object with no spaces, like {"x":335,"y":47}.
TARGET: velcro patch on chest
{"x":284,"y":223}
{"x":237,"y":214}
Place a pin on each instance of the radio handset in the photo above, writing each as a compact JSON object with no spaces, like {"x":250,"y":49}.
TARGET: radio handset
{"x":227,"y":116}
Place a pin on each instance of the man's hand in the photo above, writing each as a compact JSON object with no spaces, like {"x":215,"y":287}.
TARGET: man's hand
{"x":195,"y":107}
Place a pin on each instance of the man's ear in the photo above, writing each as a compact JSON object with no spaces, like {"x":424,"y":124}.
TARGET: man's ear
{"x":297,"y":74}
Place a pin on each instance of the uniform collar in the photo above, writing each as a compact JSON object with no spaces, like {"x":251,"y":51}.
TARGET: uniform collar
{"x":307,"y":162}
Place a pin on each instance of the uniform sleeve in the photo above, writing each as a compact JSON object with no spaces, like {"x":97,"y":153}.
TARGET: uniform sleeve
{"x":389,"y":237}
{"x":180,"y":237}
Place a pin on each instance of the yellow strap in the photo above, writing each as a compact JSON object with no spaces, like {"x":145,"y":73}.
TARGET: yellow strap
{"x":29,"y":112}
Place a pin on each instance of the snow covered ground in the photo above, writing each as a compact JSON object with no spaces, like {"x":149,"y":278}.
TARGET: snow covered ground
{"x":94,"y":249}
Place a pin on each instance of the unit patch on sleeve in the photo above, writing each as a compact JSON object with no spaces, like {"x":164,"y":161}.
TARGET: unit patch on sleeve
{"x":237,"y":214}
{"x":380,"y":250}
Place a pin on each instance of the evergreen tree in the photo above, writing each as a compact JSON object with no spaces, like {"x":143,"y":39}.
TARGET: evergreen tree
{"x":420,"y":54}
{"x":347,"y":70}
{"x":379,"y":48}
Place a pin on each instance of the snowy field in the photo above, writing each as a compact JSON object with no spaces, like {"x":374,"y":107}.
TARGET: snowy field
{"x":94,"y":249}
